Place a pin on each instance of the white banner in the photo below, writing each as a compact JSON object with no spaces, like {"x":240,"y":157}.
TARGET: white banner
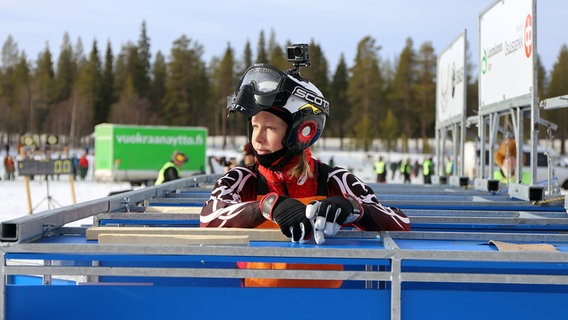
{"x":450,"y":87}
{"x":506,"y":51}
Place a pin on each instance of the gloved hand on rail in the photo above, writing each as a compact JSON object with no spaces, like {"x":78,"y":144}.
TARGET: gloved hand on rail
{"x":331,"y":214}
{"x":289,"y":214}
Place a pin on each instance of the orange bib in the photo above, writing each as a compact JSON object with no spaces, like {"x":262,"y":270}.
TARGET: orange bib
{"x":289,"y":283}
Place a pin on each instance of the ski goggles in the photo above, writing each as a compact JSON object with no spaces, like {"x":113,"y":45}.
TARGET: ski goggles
{"x":263,"y":86}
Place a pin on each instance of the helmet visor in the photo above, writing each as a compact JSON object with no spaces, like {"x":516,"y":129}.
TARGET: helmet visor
{"x":264,"y":79}
{"x":257,"y":89}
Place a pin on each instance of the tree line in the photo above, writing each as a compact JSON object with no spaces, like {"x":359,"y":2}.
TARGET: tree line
{"x":372,"y":98}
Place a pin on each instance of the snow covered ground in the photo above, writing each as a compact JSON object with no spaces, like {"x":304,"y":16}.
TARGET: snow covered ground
{"x":14,"y":202}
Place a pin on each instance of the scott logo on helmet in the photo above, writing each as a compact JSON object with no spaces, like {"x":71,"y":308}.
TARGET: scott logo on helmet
{"x":312,"y":98}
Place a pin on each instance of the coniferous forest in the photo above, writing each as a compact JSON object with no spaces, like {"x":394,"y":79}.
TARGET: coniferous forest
{"x":370,"y":97}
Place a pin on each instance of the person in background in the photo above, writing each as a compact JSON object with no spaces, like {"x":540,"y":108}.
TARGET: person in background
{"x":83,"y":166}
{"x":394,"y":167}
{"x":231,"y":164}
{"x":416,"y":169}
{"x":75,"y":165}
{"x":506,"y":158}
{"x":248,"y":155}
{"x":10,"y":168}
{"x":6,"y":167}
{"x":171,"y":170}
{"x":427,"y":168}
{"x":449,"y":170}
{"x":287,"y":188}
{"x":405,"y":170}
{"x":381,"y":170}
{"x":332,"y":162}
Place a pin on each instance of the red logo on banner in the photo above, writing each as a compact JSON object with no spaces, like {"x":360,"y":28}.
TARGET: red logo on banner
{"x":528,"y":36}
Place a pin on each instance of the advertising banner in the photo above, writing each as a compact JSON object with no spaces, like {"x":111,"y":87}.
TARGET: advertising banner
{"x":140,"y":148}
{"x":506,"y":52}
{"x":450,"y":88}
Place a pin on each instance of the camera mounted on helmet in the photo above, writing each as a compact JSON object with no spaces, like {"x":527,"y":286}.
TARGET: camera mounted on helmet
{"x":299,"y":55}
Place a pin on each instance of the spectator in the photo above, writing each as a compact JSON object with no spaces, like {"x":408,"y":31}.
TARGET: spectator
{"x":83,"y":164}
{"x":381,"y":170}
{"x":75,"y":164}
{"x":10,"y":168}
{"x":427,"y":169}
{"x":449,"y":170}
{"x":405,"y":170}
{"x":171,"y":170}
{"x":248,"y":155}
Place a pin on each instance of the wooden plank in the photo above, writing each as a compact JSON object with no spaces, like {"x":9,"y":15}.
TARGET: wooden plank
{"x":253,"y":234}
{"x":163,"y":239}
{"x":508,"y":246}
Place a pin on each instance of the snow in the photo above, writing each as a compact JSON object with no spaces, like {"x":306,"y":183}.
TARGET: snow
{"x":50,"y":193}
{"x":14,"y":202}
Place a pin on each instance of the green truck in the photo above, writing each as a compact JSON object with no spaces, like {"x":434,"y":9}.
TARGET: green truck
{"x":136,"y":153}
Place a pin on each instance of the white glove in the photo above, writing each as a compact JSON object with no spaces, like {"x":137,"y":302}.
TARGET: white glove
{"x":329,"y":215}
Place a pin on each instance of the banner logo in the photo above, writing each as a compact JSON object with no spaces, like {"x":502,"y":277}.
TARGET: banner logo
{"x":528,"y":38}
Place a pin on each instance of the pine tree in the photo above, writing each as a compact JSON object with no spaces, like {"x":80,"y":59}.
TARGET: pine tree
{"x":317,"y":73}
{"x":44,"y":89}
{"x":339,"y":106}
{"x":403,"y":95}
{"x":79,"y":55}
{"x":23,"y":98}
{"x":10,"y":58}
{"x":541,"y":78}
{"x":247,"y":59}
{"x":120,"y":70}
{"x":223,"y":82}
{"x":541,"y":91}
{"x":187,"y":88}
{"x":142,"y":64}
{"x":129,"y":72}
{"x":425,"y":88}
{"x":65,"y":71}
{"x":390,"y":130}
{"x":558,"y":87}
{"x":277,"y":55}
{"x":158,"y":87}
{"x":89,"y":83}
{"x":129,"y":108}
{"x":365,"y":93}
{"x":261,"y":56}
{"x":107,"y":94}
{"x":10,"y":53}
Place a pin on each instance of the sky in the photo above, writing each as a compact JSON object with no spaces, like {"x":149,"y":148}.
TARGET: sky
{"x":336,"y":25}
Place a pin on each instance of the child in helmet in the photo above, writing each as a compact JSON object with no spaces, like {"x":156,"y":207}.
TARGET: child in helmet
{"x":286,"y":188}
{"x":287,"y":115}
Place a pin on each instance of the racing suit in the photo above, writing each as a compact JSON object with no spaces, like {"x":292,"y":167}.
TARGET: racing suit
{"x":235,"y":199}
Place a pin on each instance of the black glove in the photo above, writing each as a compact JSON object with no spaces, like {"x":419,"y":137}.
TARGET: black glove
{"x":289,"y":214}
{"x":331,"y":214}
